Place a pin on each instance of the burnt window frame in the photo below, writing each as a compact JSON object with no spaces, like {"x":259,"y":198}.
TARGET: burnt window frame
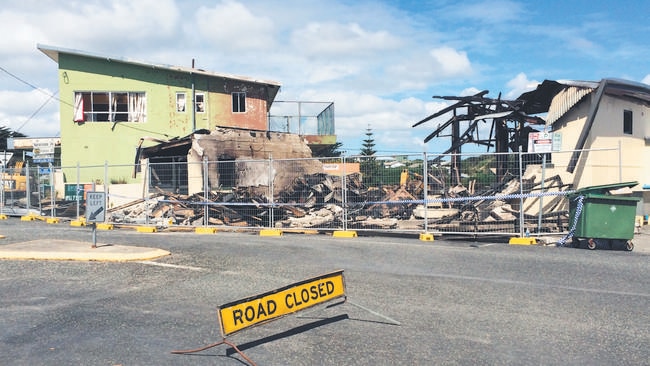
{"x":239,"y":102}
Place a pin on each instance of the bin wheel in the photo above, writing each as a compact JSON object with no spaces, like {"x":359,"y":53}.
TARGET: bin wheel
{"x":591,"y":244}
{"x":629,"y":246}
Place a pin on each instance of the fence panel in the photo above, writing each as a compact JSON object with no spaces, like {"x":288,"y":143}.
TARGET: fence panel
{"x":385,"y":193}
{"x":471,"y":193}
{"x":20,"y":190}
{"x":308,"y":194}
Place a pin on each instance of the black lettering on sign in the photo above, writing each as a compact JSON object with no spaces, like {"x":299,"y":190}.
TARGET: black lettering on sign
{"x":330,"y":287}
{"x":240,"y":314}
{"x":306,"y":295}
{"x":249,"y":313}
{"x":236,"y":316}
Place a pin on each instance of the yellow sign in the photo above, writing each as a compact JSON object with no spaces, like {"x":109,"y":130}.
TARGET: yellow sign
{"x":254,"y":310}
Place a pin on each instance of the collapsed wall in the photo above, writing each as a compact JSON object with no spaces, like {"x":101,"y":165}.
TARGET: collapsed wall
{"x":240,"y":155}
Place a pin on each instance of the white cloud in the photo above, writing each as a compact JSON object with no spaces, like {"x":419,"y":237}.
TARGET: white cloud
{"x":488,"y":11}
{"x":318,"y":73}
{"x":420,"y":71}
{"x":518,"y":85}
{"x":103,"y":26}
{"x":231,"y":25}
{"x":469,"y":91}
{"x":451,"y":62}
{"x":43,"y":108}
{"x":317,"y":40}
{"x":379,"y":61}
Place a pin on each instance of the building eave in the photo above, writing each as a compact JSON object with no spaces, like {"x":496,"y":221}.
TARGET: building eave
{"x":54,"y":52}
{"x":539,"y":100}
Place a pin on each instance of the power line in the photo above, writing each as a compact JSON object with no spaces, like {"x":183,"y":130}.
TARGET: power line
{"x":35,"y":87}
{"x":36,"y":111}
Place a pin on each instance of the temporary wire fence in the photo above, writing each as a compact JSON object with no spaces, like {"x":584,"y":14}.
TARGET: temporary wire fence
{"x":478,"y":194}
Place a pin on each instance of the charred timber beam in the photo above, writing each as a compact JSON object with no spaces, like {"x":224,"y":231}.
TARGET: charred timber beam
{"x":452,"y":107}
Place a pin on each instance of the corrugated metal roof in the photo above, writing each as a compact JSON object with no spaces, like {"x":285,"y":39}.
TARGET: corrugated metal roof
{"x":564,"y":100}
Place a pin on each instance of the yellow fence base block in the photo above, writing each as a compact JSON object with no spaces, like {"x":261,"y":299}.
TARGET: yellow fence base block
{"x":2,"y":236}
{"x":301,"y":231}
{"x":146,"y":229}
{"x":3,"y":217}
{"x":52,"y":220}
{"x":28,"y":218}
{"x":426,"y":237}
{"x":205,"y":230}
{"x":345,"y":234}
{"x":78,"y":223}
{"x":270,"y":232}
{"x":523,"y":241}
{"x":102,"y":226}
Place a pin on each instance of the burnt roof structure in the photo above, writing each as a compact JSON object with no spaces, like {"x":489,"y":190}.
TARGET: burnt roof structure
{"x":508,"y":117}
{"x":507,"y":130}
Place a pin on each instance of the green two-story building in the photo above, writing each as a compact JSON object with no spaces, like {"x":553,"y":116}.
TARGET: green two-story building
{"x":111,"y":106}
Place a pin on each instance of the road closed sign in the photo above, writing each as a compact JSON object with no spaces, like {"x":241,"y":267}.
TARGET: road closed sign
{"x":95,"y":206}
{"x":254,"y":310}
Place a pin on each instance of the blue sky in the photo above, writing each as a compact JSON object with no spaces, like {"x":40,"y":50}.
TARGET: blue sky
{"x":380,"y":62}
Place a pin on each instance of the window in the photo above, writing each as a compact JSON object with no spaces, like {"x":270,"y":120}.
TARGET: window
{"x":627,"y":122}
{"x":180,"y":102}
{"x":238,"y":102}
{"x":199,"y":102}
{"x":110,"y":107}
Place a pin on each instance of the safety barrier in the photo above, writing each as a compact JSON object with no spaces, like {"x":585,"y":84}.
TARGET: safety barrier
{"x":522,"y":194}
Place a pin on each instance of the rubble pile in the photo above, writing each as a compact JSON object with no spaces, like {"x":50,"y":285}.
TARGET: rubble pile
{"x":316,"y":201}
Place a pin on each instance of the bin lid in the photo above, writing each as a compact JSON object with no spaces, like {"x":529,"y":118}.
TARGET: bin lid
{"x":605,"y":188}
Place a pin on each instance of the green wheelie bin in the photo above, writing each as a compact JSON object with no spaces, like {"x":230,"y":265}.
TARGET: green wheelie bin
{"x":601,"y":219}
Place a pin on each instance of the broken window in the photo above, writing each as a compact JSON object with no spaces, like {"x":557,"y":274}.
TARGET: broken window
{"x":226,"y":169}
{"x":238,"y":102}
{"x":180,"y":102}
{"x":109,"y":107}
{"x":199,"y":102}
{"x":627,"y":122}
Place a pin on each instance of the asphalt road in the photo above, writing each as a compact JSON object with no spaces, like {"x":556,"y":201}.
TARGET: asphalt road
{"x":447,"y":302}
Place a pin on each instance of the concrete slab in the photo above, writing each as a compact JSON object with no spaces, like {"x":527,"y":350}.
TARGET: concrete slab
{"x":76,"y":250}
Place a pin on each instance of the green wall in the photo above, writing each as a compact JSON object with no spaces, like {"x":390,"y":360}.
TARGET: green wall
{"x":93,"y":143}
{"x":96,"y":143}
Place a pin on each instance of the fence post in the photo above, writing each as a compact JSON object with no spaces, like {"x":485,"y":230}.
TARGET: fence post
{"x":146,"y":193}
{"x":38,"y":187}
{"x":106,"y":187}
{"x":2,"y":185}
{"x":77,"y":191}
{"x":344,"y":194}
{"x":205,"y":191}
{"x":521,"y":194}
{"x":271,"y":192}
{"x":541,"y":198}
{"x":425,"y":179}
{"x":52,"y":198}
{"x":28,"y":192}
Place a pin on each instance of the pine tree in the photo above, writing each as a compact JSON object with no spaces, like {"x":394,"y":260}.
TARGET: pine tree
{"x":369,"y":144}
{"x":369,"y":166}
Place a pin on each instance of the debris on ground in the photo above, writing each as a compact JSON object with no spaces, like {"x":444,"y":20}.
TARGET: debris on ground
{"x":315,"y":201}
